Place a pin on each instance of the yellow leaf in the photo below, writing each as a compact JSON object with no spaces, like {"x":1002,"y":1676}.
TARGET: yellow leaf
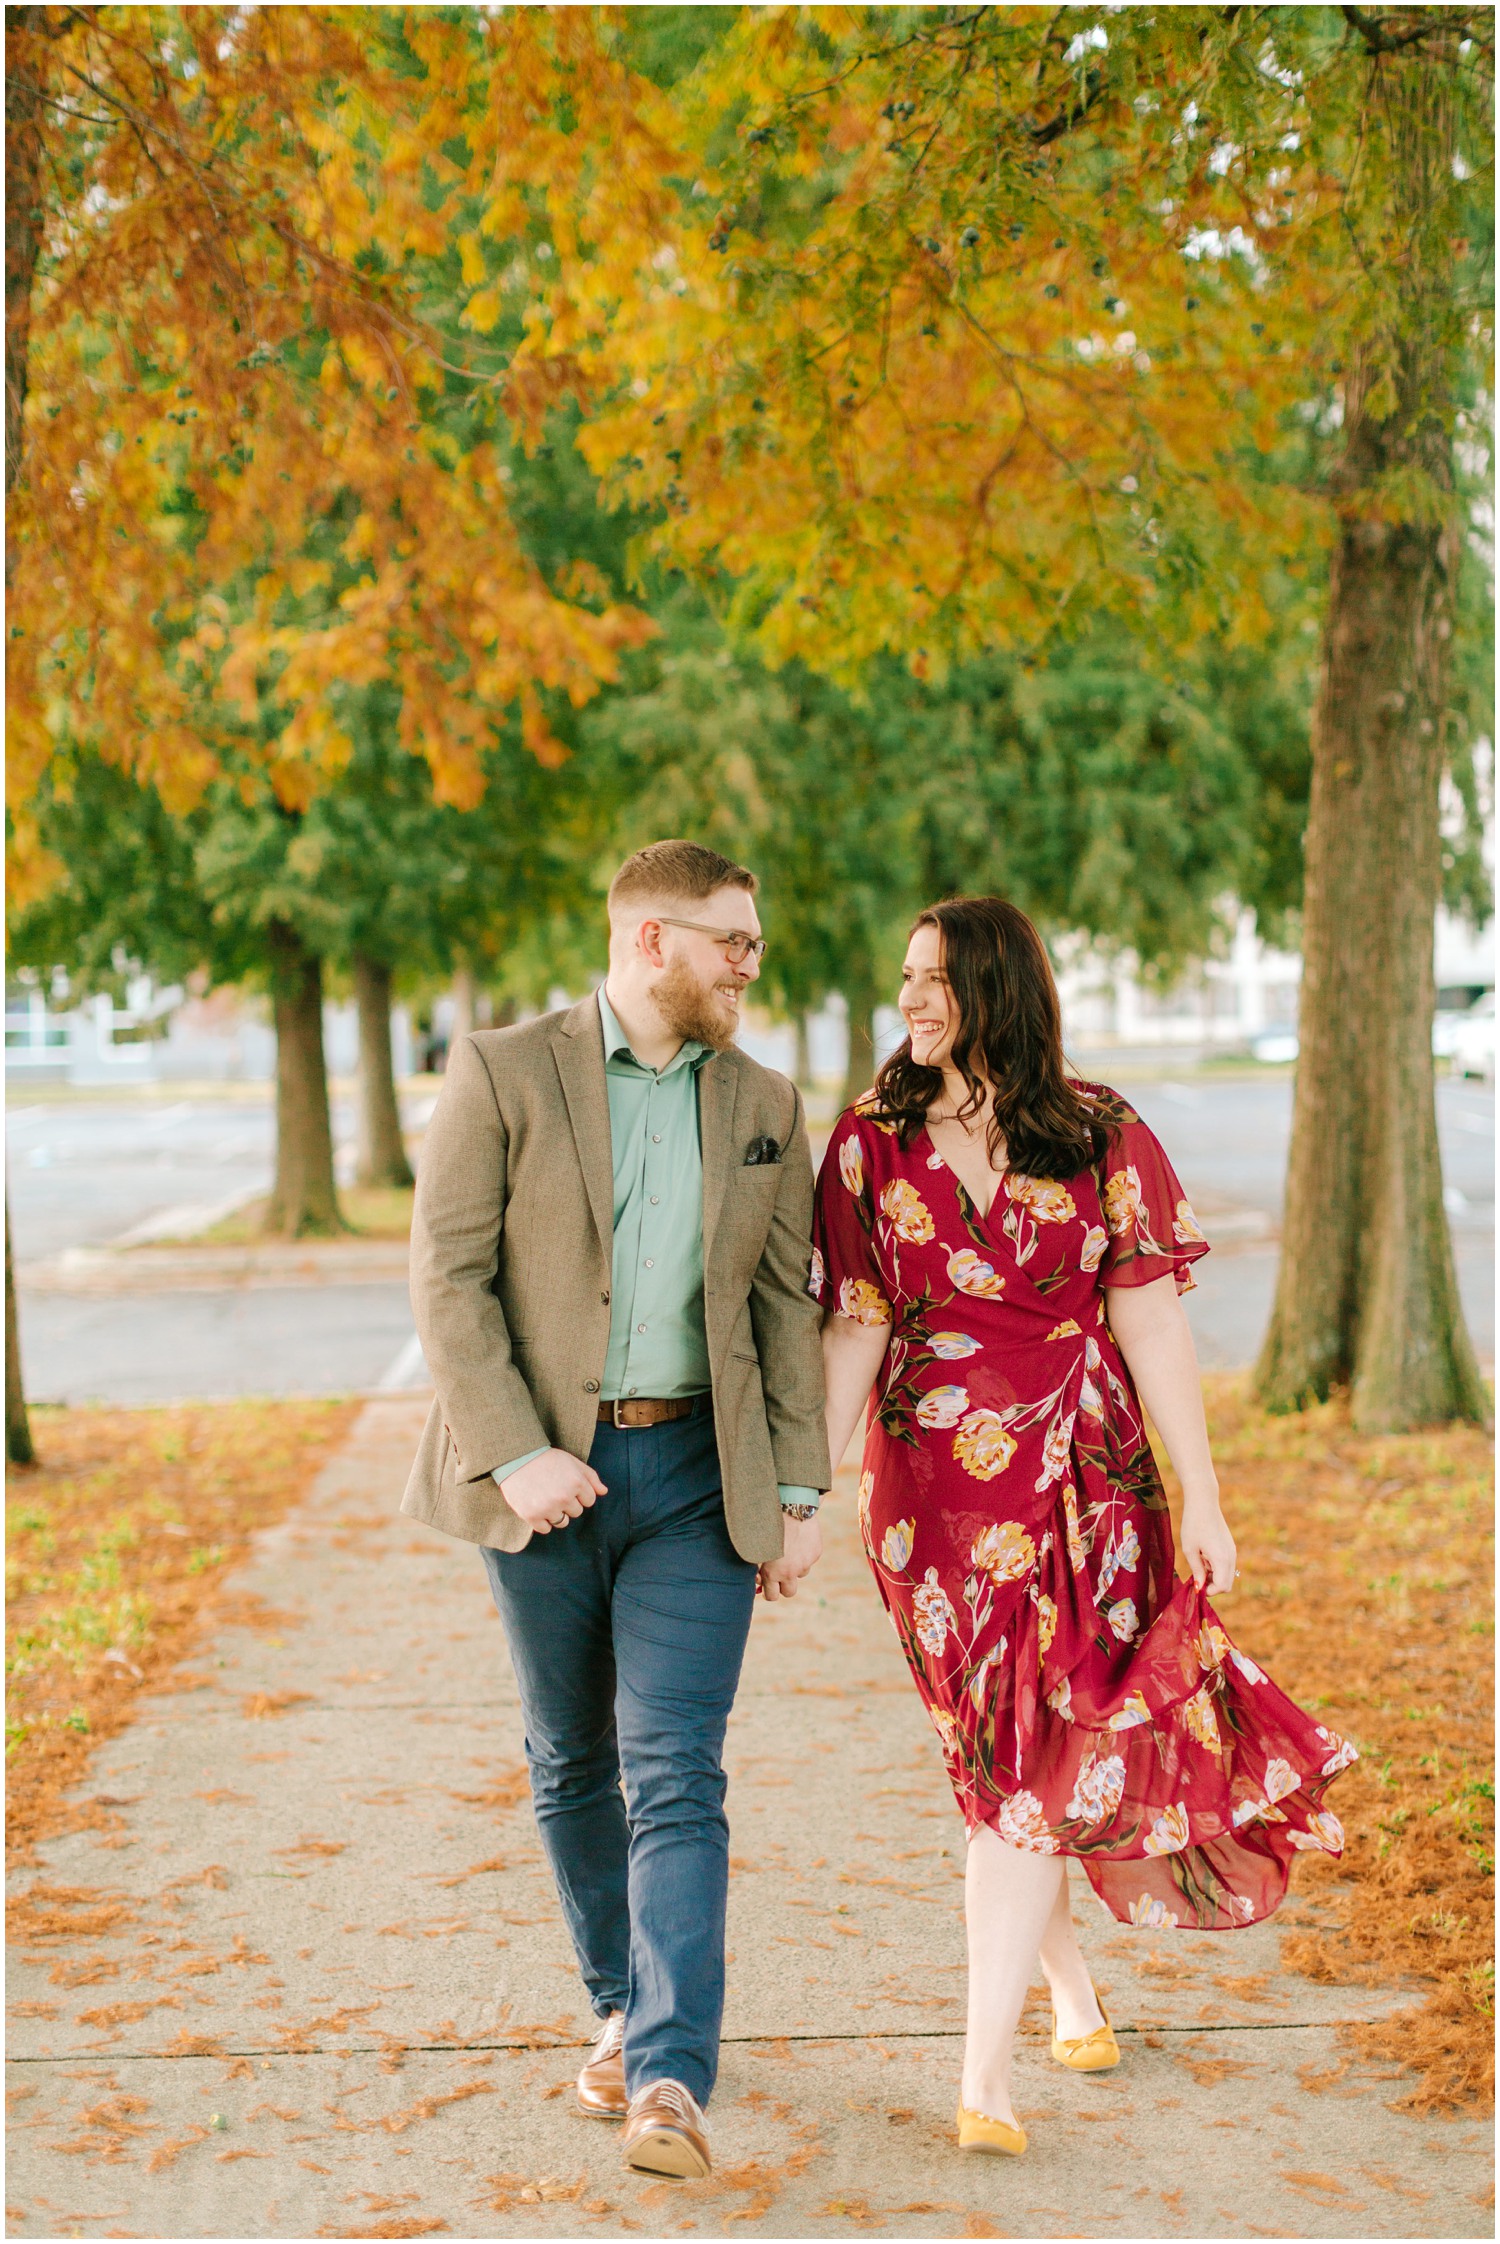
{"x":483,"y":310}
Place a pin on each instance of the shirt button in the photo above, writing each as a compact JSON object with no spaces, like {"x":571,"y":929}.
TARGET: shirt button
{"x":650,"y":1262}
{"x":656,"y":1199}
{"x":591,"y":1386}
{"x":630,"y":1390}
{"x":656,"y":1137}
{"x":640,"y":1328}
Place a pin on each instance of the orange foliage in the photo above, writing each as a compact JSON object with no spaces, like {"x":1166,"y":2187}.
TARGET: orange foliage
{"x":931,"y":333}
{"x":935,"y":332}
{"x":258,"y":460}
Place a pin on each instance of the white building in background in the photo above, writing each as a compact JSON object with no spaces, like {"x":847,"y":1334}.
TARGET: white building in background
{"x":1221,"y":1003}
{"x":166,"y":1036}
{"x":1246,"y":999}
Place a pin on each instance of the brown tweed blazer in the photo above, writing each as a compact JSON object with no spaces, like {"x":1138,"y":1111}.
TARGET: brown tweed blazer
{"x":511,"y":1245}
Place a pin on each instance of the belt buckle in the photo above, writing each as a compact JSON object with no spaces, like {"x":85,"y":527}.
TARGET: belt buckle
{"x":620,"y":1424}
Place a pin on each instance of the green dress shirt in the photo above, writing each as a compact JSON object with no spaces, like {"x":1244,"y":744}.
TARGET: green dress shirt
{"x":658,"y":1345}
{"x":657,"y":1341}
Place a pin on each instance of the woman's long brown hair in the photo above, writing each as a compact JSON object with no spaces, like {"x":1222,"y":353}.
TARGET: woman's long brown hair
{"x":1009,"y":1034}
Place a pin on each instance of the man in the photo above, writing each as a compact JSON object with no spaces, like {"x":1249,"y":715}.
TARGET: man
{"x":609,"y":1267}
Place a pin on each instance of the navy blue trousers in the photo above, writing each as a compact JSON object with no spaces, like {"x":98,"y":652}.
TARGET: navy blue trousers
{"x":626,"y":1631}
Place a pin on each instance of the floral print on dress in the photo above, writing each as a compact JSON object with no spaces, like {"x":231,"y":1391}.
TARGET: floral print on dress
{"x":863,"y":1304}
{"x":1087,"y":1702}
{"x":951,"y":1347}
{"x":982,"y":1445}
{"x":942,"y":1406}
{"x":906,"y":1212}
{"x":1004,"y":1551}
{"x":971,"y":1274}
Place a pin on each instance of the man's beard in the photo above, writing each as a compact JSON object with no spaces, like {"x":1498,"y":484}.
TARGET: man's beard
{"x":689,"y":1011}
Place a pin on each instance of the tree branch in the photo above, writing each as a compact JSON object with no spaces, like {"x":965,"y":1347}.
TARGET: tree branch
{"x":1044,"y":135}
{"x":1381,"y":41}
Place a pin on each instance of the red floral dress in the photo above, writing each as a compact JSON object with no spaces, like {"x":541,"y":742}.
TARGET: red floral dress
{"x":1088,"y":1702}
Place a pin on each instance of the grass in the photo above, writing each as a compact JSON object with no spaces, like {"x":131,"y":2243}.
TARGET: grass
{"x":1366,"y":1576}
{"x":372,"y":1211}
{"x":116,"y":1543}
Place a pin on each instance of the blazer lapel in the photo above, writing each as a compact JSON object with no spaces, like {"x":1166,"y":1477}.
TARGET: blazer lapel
{"x":717,"y":1082}
{"x":579,"y":1051}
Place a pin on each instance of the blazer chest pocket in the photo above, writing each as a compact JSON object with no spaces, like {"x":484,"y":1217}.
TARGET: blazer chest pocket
{"x":750,"y":1204}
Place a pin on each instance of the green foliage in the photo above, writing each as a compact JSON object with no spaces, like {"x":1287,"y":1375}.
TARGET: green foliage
{"x":1083,"y":786}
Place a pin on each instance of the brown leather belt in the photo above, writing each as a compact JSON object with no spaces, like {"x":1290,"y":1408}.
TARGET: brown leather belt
{"x":647,"y":1410}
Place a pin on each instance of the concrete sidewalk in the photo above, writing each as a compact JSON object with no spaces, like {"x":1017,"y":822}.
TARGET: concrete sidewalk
{"x":388,"y":2049}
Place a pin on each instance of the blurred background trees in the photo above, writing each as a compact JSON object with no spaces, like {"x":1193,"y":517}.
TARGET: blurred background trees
{"x":1012,"y":451}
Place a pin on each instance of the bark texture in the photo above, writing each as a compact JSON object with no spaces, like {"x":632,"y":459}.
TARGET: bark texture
{"x":26,"y":58}
{"x":303,"y":1201}
{"x":18,"y":1444}
{"x":382,"y":1152}
{"x":1367,"y":1294}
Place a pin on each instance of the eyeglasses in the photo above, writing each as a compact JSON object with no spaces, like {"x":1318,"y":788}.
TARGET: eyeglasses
{"x":737,"y":946}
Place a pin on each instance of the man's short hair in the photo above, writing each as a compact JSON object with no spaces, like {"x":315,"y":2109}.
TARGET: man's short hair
{"x":675,"y":872}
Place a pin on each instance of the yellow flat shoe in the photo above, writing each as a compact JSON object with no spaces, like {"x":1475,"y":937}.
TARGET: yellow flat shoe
{"x":1090,"y":2053}
{"x":976,"y":2133}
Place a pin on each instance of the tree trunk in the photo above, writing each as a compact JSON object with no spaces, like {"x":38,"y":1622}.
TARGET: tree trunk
{"x":1367,"y":1293}
{"x":860,"y":997}
{"x":803,"y":1061}
{"x":303,"y":1202}
{"x":463,"y":996}
{"x":27,"y":43}
{"x":18,"y":1446}
{"x":382,"y":1153}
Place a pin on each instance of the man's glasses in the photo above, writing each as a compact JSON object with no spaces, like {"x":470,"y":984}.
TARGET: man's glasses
{"x":737,"y":947}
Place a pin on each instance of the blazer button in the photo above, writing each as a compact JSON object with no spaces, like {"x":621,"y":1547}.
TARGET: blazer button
{"x":591,"y":1386}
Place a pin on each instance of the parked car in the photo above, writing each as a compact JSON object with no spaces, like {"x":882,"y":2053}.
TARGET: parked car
{"x":1275,"y":1047}
{"x":1455,"y":1001}
{"x":1471,"y":1049}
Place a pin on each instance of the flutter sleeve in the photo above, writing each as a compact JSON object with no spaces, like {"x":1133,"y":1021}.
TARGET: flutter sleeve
{"x":1152,"y":1229}
{"x":846,"y":1273}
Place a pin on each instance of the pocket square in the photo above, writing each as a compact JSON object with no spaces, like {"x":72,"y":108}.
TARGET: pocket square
{"x":762,"y":1152}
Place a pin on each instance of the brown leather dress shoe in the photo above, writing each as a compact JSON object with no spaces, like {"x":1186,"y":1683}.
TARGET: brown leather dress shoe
{"x":601,"y":2084}
{"x":666,"y":2133}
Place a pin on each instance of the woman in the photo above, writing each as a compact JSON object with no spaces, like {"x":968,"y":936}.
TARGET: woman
{"x":1002,"y":1248}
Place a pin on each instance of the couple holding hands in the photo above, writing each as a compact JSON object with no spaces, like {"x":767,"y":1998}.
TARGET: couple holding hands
{"x":651,"y":1340}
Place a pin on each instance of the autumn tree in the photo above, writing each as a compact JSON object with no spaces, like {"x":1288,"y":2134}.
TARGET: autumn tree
{"x":259,"y":383}
{"x":936,"y":332}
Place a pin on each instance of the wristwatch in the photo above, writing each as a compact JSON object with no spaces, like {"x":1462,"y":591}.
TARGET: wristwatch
{"x":799,"y":1511}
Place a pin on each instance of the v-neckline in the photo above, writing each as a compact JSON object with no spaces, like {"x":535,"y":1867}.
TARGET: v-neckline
{"x":999,"y":1175}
